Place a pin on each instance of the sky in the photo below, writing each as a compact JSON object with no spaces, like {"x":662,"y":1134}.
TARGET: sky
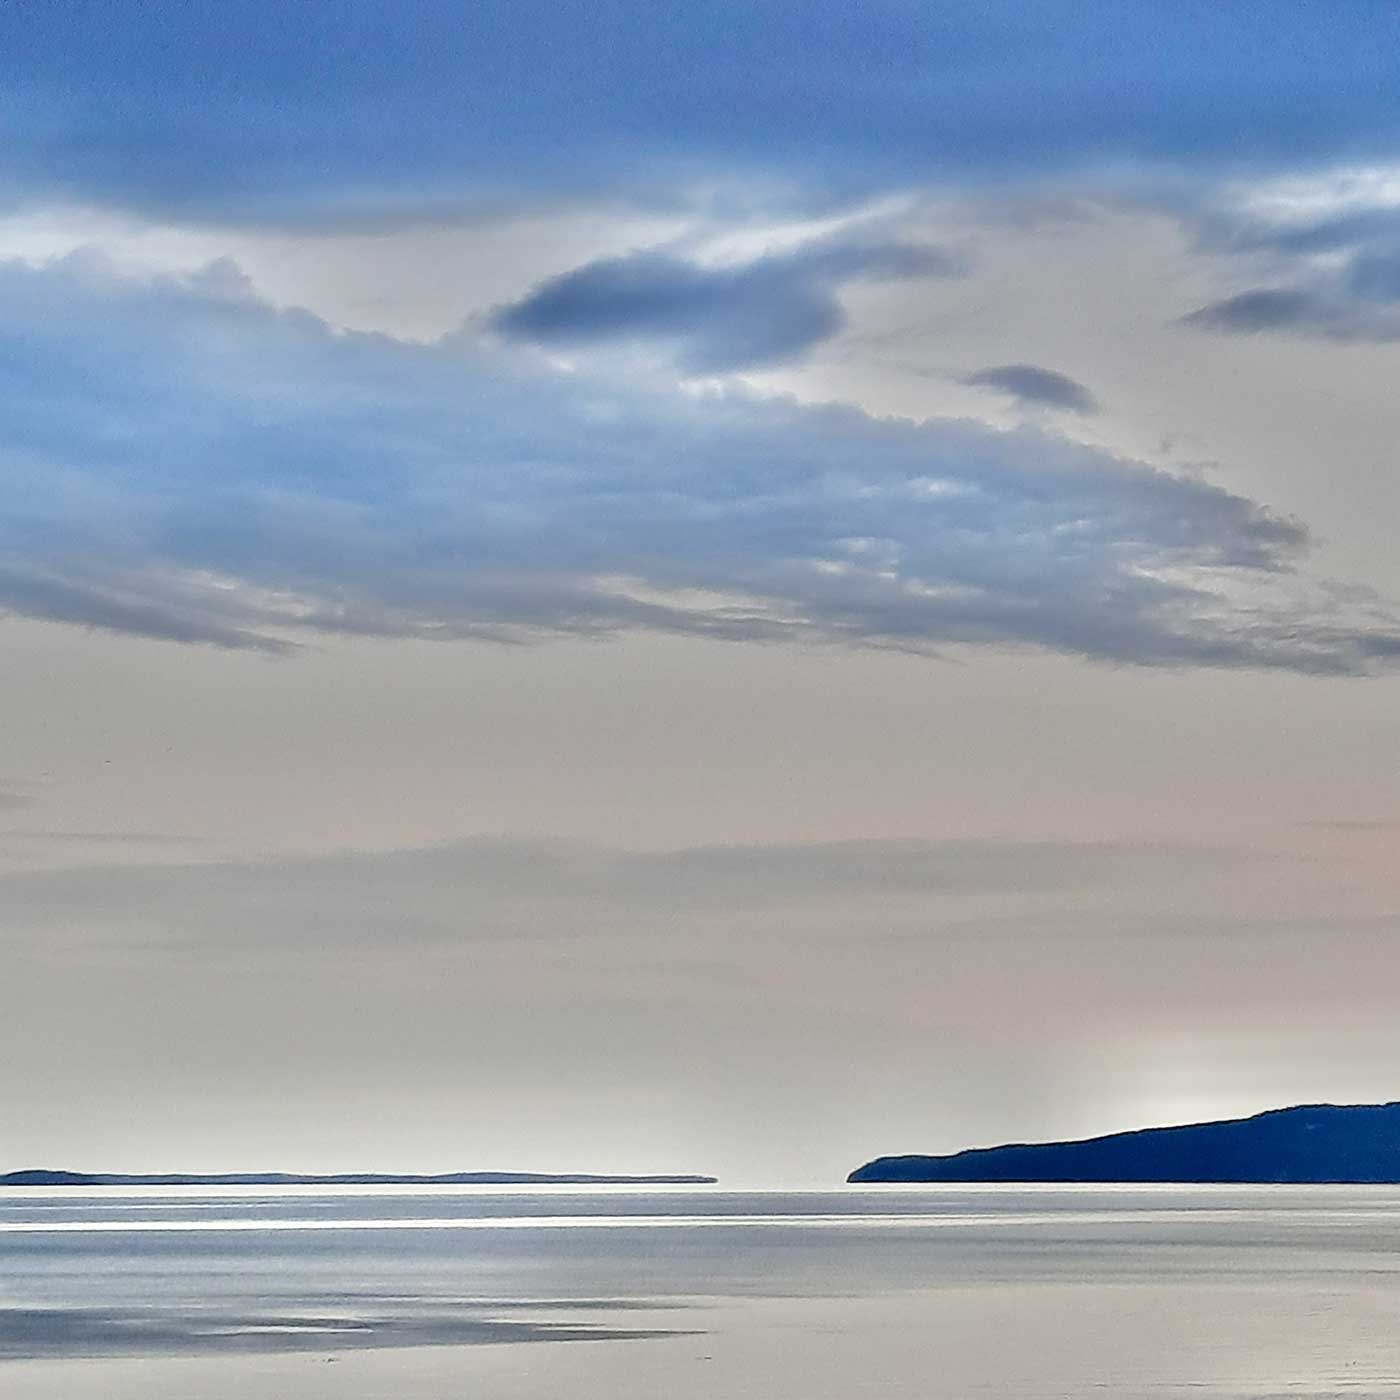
{"x":714,"y":588}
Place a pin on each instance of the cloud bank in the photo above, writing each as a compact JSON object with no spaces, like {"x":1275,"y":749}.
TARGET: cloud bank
{"x":187,"y":462}
{"x":247,"y":111}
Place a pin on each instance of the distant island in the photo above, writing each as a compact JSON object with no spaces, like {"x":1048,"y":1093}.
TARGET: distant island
{"x":37,"y":1177}
{"x":1310,"y":1144}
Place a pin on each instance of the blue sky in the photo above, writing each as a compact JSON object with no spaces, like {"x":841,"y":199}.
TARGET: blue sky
{"x":782,"y":525}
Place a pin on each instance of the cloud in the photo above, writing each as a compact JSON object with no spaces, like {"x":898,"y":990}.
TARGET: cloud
{"x":246,"y":111}
{"x":489,"y":889}
{"x":1332,"y":246}
{"x":714,"y":318}
{"x":61,"y":835}
{"x":1351,"y":826}
{"x":1329,"y":311}
{"x":1034,"y":385}
{"x":184,"y":461}
{"x":1264,"y":309}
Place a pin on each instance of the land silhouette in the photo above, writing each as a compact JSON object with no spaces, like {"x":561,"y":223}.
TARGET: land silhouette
{"x":1308,"y":1144}
{"x":39,"y":1177}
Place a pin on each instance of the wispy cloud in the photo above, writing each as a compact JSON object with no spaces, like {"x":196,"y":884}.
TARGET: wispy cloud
{"x":484,"y":890}
{"x":1331,"y":247}
{"x":1352,"y":826}
{"x":62,"y":836}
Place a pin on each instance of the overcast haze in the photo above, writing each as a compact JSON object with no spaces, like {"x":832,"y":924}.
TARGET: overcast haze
{"x":719,"y":589}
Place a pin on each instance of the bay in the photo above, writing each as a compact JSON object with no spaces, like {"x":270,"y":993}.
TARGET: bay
{"x":435,"y":1292}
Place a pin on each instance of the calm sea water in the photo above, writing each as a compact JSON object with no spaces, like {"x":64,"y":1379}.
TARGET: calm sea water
{"x":958,"y":1292}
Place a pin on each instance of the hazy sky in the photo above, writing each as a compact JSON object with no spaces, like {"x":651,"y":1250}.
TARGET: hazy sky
{"x":692,"y":588}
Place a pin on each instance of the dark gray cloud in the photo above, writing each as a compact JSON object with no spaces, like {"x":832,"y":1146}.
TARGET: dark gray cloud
{"x":1032,"y":384}
{"x":713,"y":318}
{"x":186,"y":462}
{"x":1264,"y":309}
{"x":1331,"y":311}
{"x":248,"y":111}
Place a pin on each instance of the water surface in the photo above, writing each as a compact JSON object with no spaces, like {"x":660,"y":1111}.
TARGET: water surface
{"x":956,"y":1291}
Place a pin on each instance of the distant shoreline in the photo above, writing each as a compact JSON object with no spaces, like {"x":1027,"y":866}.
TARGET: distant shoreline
{"x":1309,"y":1144}
{"x":39,"y":1177}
